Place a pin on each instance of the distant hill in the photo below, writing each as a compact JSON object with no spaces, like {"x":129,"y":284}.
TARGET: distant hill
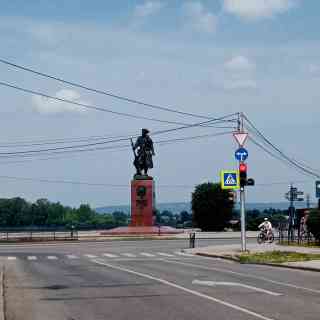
{"x":177,"y":207}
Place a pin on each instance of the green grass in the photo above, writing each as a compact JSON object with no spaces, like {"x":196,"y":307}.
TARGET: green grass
{"x":277,"y":257}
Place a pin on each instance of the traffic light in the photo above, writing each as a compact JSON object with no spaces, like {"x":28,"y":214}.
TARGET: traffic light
{"x":243,"y":174}
{"x":232,"y":196}
{"x":318,"y":189}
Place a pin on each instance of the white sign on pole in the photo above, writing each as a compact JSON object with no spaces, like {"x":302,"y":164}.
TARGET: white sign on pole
{"x":241,"y":137}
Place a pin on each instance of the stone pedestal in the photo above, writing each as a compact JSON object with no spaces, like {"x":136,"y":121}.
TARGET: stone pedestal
{"x":142,"y":201}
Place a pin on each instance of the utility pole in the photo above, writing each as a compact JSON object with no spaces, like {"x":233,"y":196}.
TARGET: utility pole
{"x":292,"y":196}
{"x":242,"y":197}
{"x":241,"y":155}
{"x":243,"y":219}
{"x":308,"y":200}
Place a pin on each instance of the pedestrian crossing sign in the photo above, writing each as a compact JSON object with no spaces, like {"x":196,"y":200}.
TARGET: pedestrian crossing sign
{"x":230,"y":179}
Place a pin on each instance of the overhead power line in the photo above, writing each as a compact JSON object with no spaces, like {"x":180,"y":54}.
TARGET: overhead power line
{"x":103,"y":109}
{"x":115,"y":147}
{"x":279,"y":152}
{"x":103,"y":92}
{"x":86,"y":106}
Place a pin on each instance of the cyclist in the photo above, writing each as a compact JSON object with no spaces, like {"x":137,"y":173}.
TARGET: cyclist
{"x":266,"y":227}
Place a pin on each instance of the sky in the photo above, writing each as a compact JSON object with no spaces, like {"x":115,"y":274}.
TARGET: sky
{"x":217,"y":57}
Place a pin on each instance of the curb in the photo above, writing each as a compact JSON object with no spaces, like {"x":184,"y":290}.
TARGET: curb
{"x":209,"y":255}
{"x":235,"y":259}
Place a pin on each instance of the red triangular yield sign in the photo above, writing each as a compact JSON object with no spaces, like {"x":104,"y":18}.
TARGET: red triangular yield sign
{"x":241,"y":137}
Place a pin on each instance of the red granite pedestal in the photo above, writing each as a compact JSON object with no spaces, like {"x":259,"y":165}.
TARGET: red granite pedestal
{"x":142,"y":203}
{"x":142,"y":211}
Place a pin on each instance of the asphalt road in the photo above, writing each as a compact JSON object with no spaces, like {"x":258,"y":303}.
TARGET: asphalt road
{"x":148,"y":280}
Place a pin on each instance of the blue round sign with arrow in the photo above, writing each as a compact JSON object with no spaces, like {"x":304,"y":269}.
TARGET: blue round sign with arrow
{"x":241,"y":154}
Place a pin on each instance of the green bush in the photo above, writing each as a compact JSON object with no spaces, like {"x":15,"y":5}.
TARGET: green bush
{"x":313,"y":223}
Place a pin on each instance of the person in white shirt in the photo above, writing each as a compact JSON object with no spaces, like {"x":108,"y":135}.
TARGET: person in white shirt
{"x":266,"y":226}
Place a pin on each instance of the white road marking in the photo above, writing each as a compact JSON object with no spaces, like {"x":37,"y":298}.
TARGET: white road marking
{"x":32,"y":258}
{"x":72,"y":256}
{"x":110,"y":255}
{"x":145,"y":254}
{"x":180,"y":253}
{"x":52,"y":258}
{"x":193,"y":292}
{"x":91,"y":256}
{"x":12,"y":258}
{"x":165,"y":254}
{"x":285,"y":284}
{"x":130,"y":255}
{"x":234,"y":284}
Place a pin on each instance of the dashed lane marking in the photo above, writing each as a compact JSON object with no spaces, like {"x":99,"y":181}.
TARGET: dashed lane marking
{"x":244,"y":275}
{"x":52,"y":258}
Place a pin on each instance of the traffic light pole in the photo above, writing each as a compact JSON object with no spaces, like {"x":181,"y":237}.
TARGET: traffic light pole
{"x":243,"y":220}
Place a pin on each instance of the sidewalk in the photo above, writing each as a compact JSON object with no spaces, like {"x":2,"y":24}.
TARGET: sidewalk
{"x":233,"y":251}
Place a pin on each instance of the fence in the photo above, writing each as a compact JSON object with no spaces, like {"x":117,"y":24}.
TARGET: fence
{"x":295,"y":235}
{"x":15,"y":235}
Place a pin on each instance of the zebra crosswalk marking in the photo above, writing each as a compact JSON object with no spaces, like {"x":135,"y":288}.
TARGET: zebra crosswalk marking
{"x":130,"y":255}
{"x":91,"y":256}
{"x":72,"y":256}
{"x":12,"y":258}
{"x":165,"y":254}
{"x":52,"y":258}
{"x":110,"y":255}
{"x":145,"y":254}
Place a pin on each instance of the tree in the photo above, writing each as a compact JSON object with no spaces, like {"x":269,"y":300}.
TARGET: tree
{"x":85,"y":214}
{"x":56,"y":214}
{"x":313,"y":223}
{"x":40,"y":212}
{"x":120,"y":218}
{"x":184,"y":217}
{"x":211,"y":207}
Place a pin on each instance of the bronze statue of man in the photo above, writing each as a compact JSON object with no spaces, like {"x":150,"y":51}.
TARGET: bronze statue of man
{"x":143,"y":158}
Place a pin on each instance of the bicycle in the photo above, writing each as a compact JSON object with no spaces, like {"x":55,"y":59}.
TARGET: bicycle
{"x":263,"y":237}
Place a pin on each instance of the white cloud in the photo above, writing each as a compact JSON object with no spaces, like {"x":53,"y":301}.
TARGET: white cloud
{"x":199,"y":18}
{"x":50,"y":106}
{"x":314,"y":69}
{"x":239,"y":64}
{"x":234,"y":84}
{"x":238,"y":73}
{"x":148,"y":8}
{"x":255,"y":9}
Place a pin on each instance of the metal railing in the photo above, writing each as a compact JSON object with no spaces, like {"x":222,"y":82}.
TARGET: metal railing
{"x":295,"y":236}
{"x":15,"y":235}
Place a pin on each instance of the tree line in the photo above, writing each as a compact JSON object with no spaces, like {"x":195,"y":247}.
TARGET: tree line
{"x":19,"y":213}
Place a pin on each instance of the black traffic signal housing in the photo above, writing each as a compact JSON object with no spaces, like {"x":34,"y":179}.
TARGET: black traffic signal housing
{"x":318,"y":189}
{"x":243,"y":174}
{"x":250,"y":182}
{"x":232,"y":196}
